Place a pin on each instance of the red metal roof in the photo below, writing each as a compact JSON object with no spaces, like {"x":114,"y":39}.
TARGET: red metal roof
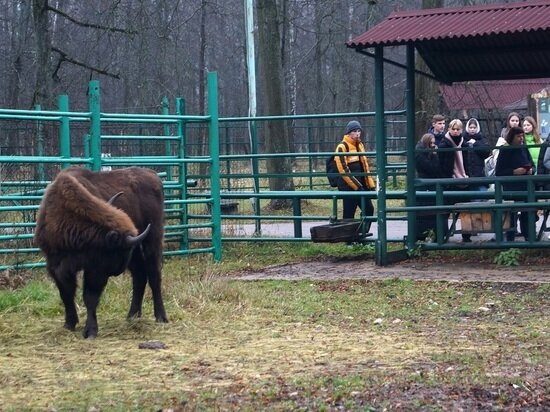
{"x":499,"y":41}
{"x":503,"y":94}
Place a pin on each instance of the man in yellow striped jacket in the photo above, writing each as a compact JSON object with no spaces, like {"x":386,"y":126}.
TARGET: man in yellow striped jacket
{"x":353,"y":169}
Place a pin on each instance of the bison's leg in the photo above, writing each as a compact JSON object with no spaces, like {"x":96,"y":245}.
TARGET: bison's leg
{"x":67,"y":288}
{"x":158,"y":304}
{"x":144,"y":270}
{"x":139,"y":281}
{"x":93,"y":287}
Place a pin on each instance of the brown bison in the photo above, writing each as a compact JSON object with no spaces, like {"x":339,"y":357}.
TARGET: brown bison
{"x":103,"y":223}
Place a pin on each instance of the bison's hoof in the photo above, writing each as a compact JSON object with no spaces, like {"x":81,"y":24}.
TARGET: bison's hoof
{"x":161,"y":319}
{"x":134,"y":316}
{"x":70,"y":326}
{"x":89,"y":333}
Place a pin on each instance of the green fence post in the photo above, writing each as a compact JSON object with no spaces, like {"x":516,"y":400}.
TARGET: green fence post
{"x":64,"y":130}
{"x":165,"y":110}
{"x":311,"y":163}
{"x":255,"y":175}
{"x":381,"y":243}
{"x":95,"y":124}
{"x":41,"y":176}
{"x":297,"y":211}
{"x":410,"y":142}
{"x":214,"y":146}
{"x":182,"y":174}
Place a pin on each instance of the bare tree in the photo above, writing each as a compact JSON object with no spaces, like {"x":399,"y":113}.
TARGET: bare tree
{"x":42,"y":84}
{"x":276,"y":136}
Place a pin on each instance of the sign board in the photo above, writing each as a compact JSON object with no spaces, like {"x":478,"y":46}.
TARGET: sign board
{"x":543,"y":116}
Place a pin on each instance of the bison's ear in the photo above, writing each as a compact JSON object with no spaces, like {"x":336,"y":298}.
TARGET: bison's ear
{"x":114,"y":239}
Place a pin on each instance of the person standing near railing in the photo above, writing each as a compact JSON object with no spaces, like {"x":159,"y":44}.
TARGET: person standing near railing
{"x":515,"y":160}
{"x":532,"y":138}
{"x":543,"y":163}
{"x":353,"y":169}
{"x":438,"y":128}
{"x":478,"y":151}
{"x":452,"y":162}
{"x":427,"y":167}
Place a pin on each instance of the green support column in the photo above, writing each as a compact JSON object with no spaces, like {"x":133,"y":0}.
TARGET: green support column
{"x":64,"y":129}
{"x":381,"y":244}
{"x":165,"y":110}
{"x":95,"y":124}
{"x":182,"y":173}
{"x":255,"y":175}
{"x":214,"y":146}
{"x":40,"y":146}
{"x":411,"y":140}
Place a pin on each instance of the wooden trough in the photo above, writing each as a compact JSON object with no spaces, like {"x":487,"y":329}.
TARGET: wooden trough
{"x":481,"y":221}
{"x":345,"y":230}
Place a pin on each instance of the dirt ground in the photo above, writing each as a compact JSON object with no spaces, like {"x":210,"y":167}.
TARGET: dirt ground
{"x":415,"y":269}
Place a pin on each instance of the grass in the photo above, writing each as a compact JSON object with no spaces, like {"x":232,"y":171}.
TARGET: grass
{"x":280,"y":345}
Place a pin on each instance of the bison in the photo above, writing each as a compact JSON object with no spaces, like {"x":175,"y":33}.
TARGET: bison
{"x":103,"y":223}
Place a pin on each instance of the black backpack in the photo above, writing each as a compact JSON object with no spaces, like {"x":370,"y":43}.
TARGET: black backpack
{"x":332,"y":169}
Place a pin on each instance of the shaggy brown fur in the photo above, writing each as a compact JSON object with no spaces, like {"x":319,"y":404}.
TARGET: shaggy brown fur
{"x":72,"y":218}
{"x":77,"y":229}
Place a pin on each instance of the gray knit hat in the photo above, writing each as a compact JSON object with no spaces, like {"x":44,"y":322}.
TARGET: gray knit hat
{"x":353,"y":125}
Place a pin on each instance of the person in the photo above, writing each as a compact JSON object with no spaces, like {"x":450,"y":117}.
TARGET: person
{"x":543,"y":166}
{"x":427,"y":167}
{"x":490,"y":163}
{"x":478,"y":151}
{"x":354,"y":169}
{"x":515,"y":161}
{"x":542,"y":169}
{"x":532,"y":138}
{"x":452,"y":161}
{"x":438,"y":128}
{"x":512,"y":120}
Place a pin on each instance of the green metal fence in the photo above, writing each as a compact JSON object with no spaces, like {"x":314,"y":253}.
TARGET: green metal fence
{"x":214,"y":187}
{"x":20,"y":194}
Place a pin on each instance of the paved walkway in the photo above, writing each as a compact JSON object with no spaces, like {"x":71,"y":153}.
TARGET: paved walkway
{"x":396,"y":229}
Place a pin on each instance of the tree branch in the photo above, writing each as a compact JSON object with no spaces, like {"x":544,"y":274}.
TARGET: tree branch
{"x":90,"y":25}
{"x":65,"y":58}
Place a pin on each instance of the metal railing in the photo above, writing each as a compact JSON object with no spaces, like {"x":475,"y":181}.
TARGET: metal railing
{"x":202,"y":204}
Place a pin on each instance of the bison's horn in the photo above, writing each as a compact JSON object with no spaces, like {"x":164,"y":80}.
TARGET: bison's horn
{"x":114,"y":197}
{"x":136,"y":240}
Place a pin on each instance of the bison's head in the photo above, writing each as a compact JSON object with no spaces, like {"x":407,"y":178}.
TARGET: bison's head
{"x":73,"y":220}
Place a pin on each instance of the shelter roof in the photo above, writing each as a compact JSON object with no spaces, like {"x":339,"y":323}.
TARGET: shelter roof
{"x":489,"y":42}
{"x":501,"y":94}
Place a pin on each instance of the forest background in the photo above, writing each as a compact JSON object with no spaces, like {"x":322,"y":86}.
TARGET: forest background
{"x":144,"y":50}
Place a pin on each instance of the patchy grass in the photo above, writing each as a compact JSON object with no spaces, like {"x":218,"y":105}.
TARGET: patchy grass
{"x":281,"y":345}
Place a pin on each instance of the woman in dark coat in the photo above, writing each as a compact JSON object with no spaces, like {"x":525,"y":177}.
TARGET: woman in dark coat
{"x":541,"y":168}
{"x":478,"y":151}
{"x":515,"y":160}
{"x":427,"y":167}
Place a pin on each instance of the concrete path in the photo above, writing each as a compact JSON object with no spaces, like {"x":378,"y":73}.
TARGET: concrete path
{"x":396,"y":229}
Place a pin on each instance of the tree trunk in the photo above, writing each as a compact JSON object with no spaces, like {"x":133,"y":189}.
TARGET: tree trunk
{"x":276,"y":135}
{"x":42,"y":87}
{"x":203,"y":140}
